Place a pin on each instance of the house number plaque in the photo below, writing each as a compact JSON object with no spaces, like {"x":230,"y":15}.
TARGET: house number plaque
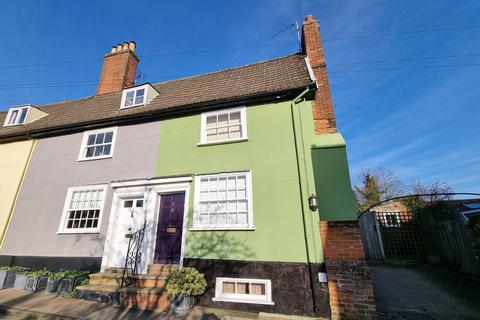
{"x":171,"y":230}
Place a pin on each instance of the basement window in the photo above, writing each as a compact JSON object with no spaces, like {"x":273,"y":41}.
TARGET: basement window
{"x":256,"y":291}
{"x":97,"y":144}
{"x":16,"y":116}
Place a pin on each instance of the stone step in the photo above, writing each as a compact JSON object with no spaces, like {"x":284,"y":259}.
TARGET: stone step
{"x":144,"y":298}
{"x":115,"y":279}
{"x":116,"y":270}
{"x":161,"y":269}
{"x":98,"y":292}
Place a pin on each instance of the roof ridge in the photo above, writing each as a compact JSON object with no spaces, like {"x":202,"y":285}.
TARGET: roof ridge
{"x":230,"y":69}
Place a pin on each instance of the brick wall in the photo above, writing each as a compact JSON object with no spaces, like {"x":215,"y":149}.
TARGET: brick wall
{"x":349,"y":283}
{"x":322,"y":106}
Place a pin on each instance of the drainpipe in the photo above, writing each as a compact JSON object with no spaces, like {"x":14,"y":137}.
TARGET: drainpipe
{"x":302,"y":193}
{"x":17,"y":192}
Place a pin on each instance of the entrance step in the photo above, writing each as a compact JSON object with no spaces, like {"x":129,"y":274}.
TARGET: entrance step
{"x":115,"y":279}
{"x":144,"y":298}
{"x":98,"y":292}
{"x":161,"y":269}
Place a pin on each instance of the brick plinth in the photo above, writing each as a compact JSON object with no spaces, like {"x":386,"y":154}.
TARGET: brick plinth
{"x":349,"y":283}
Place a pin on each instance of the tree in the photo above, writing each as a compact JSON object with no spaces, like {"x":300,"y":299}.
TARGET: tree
{"x":434,"y":192}
{"x":377,"y":185}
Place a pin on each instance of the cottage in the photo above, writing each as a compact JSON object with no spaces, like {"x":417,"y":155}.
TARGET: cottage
{"x":240,"y":173}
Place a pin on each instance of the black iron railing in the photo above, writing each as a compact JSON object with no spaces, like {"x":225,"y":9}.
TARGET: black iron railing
{"x":134,"y":256}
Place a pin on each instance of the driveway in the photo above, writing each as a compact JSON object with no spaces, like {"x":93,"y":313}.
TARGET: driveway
{"x":422,"y":291}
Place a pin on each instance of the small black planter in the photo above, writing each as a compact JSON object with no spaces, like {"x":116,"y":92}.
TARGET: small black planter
{"x":20,"y":281}
{"x":7,"y":278}
{"x":36,"y":283}
{"x":52,"y":286}
{"x":68,"y":284}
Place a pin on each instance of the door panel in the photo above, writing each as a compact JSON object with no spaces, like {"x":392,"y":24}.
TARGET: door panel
{"x":170,"y":228}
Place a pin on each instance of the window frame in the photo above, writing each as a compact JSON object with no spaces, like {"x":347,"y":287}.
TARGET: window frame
{"x":62,"y":227}
{"x":249,"y":193}
{"x":243,"y":298}
{"x":243,"y":124}
{"x":134,"y":89}
{"x":17,"y":120}
{"x":86,"y":134}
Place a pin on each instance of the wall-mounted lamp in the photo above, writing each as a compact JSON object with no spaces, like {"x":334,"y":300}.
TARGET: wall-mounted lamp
{"x":313,"y":202}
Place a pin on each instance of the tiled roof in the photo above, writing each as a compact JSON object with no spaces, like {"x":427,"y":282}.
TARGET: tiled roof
{"x":281,"y":74}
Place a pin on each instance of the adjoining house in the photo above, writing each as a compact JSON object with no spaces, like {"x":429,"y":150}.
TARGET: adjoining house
{"x":231,"y":172}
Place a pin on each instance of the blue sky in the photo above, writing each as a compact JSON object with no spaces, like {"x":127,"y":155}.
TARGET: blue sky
{"x":423,"y":123}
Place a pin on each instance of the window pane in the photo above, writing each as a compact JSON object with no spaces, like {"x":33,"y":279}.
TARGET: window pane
{"x":235,"y":117}
{"x":99,"y":139}
{"x":128,"y":204}
{"x":211,"y":135}
{"x":228,"y":287}
{"x":91,"y":139}
{"x":235,"y":132}
{"x":222,"y":134}
{"x":257,"y":289}
{"x":23,"y":115}
{"x":108,"y":137}
{"x":140,"y":92}
{"x":98,"y":151}
{"x":211,"y":121}
{"x":139,"y":204}
{"x":89,"y":152}
{"x":223,"y":119}
{"x":242,"y":288}
{"x":106,"y":149}
{"x":13,"y":117}
{"x":139,"y":100}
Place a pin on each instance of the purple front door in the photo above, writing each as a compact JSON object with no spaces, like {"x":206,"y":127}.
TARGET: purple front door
{"x":169,"y":229}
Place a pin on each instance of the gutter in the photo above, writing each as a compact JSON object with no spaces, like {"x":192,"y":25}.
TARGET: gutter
{"x":295,"y":101}
{"x":154,"y":114}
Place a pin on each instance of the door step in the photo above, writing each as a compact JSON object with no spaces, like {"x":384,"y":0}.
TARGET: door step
{"x":146,"y":292}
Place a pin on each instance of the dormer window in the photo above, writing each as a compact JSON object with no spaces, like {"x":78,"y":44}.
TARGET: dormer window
{"x":16,"y":116}
{"x":138,"y":96}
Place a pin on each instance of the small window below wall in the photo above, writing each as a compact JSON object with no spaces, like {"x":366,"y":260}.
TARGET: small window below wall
{"x":257,"y":291}
{"x":223,"y":202}
{"x":97,"y":144}
{"x":16,"y":116}
{"x":83,"y":209}
{"x":224,"y":126}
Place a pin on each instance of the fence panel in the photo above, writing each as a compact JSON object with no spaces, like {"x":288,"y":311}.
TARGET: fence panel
{"x":371,"y":237}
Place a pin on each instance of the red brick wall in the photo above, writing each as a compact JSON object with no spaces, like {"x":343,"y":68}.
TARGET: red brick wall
{"x":349,"y":283}
{"x":118,"y":72}
{"x":322,"y":106}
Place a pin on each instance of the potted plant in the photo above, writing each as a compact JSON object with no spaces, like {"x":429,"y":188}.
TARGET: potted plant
{"x":7,"y":276}
{"x":183,"y":286}
{"x":53,"y":281}
{"x":36,"y":280}
{"x":70,"y":280}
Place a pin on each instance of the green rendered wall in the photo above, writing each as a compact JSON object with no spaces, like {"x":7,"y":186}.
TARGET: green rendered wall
{"x":270,"y":155}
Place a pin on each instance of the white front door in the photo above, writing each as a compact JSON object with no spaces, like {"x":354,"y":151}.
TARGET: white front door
{"x":130,"y":218}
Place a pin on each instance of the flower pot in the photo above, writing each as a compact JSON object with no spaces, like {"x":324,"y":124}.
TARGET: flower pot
{"x":68,"y":284}
{"x":20,"y":281}
{"x":39,"y":283}
{"x":182,"y":304}
{"x":7,"y":278}
{"x":52,"y":286}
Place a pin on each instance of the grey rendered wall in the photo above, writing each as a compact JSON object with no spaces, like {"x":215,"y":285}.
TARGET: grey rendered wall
{"x":54,"y":168}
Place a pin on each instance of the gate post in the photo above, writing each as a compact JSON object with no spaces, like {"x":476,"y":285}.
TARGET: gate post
{"x":349,"y":283}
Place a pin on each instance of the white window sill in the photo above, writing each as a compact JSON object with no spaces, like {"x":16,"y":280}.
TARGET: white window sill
{"x":96,"y":158}
{"x":201,"y":144}
{"x":252,"y":228}
{"x":14,"y":124}
{"x":79,"y":232}
{"x":271,"y":303}
{"x":133,"y":106}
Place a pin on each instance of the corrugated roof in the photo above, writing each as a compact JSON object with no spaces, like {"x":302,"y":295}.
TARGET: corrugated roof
{"x":289,"y":72}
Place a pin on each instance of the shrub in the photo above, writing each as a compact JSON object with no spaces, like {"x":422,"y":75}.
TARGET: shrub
{"x":14,"y":268}
{"x":187,"y":282}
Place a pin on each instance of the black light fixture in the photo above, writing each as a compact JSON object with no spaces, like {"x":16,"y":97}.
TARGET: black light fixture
{"x":313,"y":202}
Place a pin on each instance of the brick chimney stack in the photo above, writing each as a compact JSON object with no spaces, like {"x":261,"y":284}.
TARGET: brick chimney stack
{"x":323,"y":114}
{"x":119,"y":68}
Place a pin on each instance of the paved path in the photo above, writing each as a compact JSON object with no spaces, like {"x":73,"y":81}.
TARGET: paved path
{"x":424,"y":292}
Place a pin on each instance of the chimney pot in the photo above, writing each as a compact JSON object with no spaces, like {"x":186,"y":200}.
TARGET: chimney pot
{"x":119,"y":47}
{"x":125,"y":46}
{"x":132,"y":46}
{"x":114,"y":49}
